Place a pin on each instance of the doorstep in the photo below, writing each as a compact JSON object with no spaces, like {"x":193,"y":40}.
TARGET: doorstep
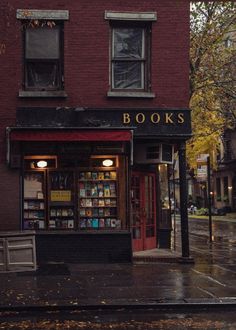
{"x":156,"y":255}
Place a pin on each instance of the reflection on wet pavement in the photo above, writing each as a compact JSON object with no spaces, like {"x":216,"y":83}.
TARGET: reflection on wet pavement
{"x":211,"y":279}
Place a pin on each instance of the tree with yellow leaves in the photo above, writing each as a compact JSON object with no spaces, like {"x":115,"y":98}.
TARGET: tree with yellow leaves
{"x":212,"y":75}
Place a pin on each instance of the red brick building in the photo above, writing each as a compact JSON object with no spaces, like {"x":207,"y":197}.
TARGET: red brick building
{"x":85,"y":82}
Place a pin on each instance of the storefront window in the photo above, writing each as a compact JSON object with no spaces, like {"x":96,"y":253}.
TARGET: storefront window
{"x":82,"y":198}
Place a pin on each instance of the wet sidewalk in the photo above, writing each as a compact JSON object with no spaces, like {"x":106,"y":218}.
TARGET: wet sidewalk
{"x":156,"y":278}
{"x":90,"y":286}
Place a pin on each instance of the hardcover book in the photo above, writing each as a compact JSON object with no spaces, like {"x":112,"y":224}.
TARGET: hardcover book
{"x":100,"y":176}
{"x":52,"y":224}
{"x":113,"y":223}
{"x":101,"y":223}
{"x":88,"y":213}
{"x":108,"y":222}
{"x":94,"y":175}
{"x":83,"y":223}
{"x":107,"y":175}
{"x":113,"y":175}
{"x":95,"y":212}
{"x":89,"y":223}
{"x":70,"y":223}
{"x":95,"y":223}
{"x":82,"y":212}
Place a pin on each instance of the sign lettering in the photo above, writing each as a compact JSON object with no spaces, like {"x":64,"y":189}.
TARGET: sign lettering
{"x":154,"y":118}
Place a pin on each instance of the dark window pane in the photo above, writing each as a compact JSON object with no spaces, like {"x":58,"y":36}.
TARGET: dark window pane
{"x":42,"y":75}
{"x":42,"y":43}
{"x":226,"y":192}
{"x":128,"y":75}
{"x":218,"y":188}
{"x":128,"y":43}
{"x":167,"y":152}
{"x":153,"y":152}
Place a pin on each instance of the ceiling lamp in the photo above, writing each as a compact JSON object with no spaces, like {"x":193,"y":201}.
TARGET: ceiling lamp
{"x":42,"y":163}
{"x":107,"y":162}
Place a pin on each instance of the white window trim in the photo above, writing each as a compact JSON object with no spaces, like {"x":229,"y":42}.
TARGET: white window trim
{"x":32,"y":94}
{"x":131,"y":16}
{"x":42,"y":14}
{"x":122,"y":94}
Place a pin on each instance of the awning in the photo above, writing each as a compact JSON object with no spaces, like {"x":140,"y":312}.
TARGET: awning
{"x":70,"y":135}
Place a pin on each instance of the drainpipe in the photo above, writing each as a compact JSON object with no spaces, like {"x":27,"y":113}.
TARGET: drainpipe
{"x":8,"y":151}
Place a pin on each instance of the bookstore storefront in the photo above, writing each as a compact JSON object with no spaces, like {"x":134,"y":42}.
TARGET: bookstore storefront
{"x":89,"y":179}
{"x":74,"y":193}
{"x":80,"y":185}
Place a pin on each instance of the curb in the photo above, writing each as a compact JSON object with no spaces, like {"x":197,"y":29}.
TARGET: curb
{"x":156,"y":259}
{"x":179,"y":305}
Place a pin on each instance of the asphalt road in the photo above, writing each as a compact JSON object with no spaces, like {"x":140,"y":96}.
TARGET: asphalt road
{"x":120,"y":320}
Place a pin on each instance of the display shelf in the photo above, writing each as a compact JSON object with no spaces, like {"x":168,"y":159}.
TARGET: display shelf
{"x":97,"y":199}
{"x":61,"y":207}
{"x":34,"y":214}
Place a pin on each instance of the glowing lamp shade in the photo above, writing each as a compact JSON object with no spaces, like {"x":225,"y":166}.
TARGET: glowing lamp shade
{"x":42,"y":163}
{"x":107,"y":162}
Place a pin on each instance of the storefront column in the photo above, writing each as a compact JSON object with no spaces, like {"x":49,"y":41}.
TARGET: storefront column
{"x":183,"y":204}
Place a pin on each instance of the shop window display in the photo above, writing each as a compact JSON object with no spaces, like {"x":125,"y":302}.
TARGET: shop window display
{"x":72,"y":199}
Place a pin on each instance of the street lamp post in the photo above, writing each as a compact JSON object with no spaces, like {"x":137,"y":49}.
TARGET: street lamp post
{"x":209,"y":197}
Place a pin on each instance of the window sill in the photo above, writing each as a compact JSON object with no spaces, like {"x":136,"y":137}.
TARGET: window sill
{"x":42,"y":94}
{"x":131,"y":94}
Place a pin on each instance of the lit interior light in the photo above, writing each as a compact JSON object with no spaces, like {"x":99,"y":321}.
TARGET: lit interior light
{"x":107,"y":162}
{"x":42,"y":164}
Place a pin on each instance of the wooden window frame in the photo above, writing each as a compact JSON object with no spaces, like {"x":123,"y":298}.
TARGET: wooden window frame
{"x":146,"y":60}
{"x":59,"y":63}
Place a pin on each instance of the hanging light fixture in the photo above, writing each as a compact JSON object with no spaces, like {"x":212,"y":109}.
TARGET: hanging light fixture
{"x":42,"y":163}
{"x":107,"y":162}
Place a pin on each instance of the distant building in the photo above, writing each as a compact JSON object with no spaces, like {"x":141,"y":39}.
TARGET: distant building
{"x":224,"y":178}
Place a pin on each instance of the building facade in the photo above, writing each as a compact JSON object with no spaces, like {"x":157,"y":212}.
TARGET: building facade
{"x":94,"y":102}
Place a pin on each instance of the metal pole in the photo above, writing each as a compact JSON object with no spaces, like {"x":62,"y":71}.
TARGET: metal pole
{"x":174,"y":197}
{"x":183,"y":201}
{"x":209,"y":197}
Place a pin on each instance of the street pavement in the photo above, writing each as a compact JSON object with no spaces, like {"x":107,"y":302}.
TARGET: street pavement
{"x":157,"y":282}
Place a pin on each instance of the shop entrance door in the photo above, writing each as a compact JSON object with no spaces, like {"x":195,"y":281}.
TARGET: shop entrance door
{"x":143,"y":211}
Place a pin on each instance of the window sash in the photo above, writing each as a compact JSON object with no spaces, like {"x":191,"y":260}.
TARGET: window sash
{"x":43,"y":75}
{"x":42,"y":43}
{"x":43,"y":61}
{"x":122,"y":47}
{"x":128,"y":56}
{"x":131,"y":75}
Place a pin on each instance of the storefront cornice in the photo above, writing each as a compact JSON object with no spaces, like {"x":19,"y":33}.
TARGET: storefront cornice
{"x":144,"y":121}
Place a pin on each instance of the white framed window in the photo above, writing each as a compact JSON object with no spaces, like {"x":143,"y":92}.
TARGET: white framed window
{"x":129,"y":59}
{"x":130,"y":53}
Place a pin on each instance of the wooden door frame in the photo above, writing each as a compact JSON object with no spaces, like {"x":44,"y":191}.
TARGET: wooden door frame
{"x":144,"y":242}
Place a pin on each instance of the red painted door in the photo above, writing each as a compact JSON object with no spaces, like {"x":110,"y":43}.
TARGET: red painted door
{"x":143,"y":211}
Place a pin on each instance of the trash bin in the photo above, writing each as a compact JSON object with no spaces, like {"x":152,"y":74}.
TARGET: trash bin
{"x":164,"y":229}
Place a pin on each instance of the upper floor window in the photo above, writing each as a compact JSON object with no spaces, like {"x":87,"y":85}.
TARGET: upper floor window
{"x":43,"y":58}
{"x":43,"y":52}
{"x":130,"y":67}
{"x":129,"y":58}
